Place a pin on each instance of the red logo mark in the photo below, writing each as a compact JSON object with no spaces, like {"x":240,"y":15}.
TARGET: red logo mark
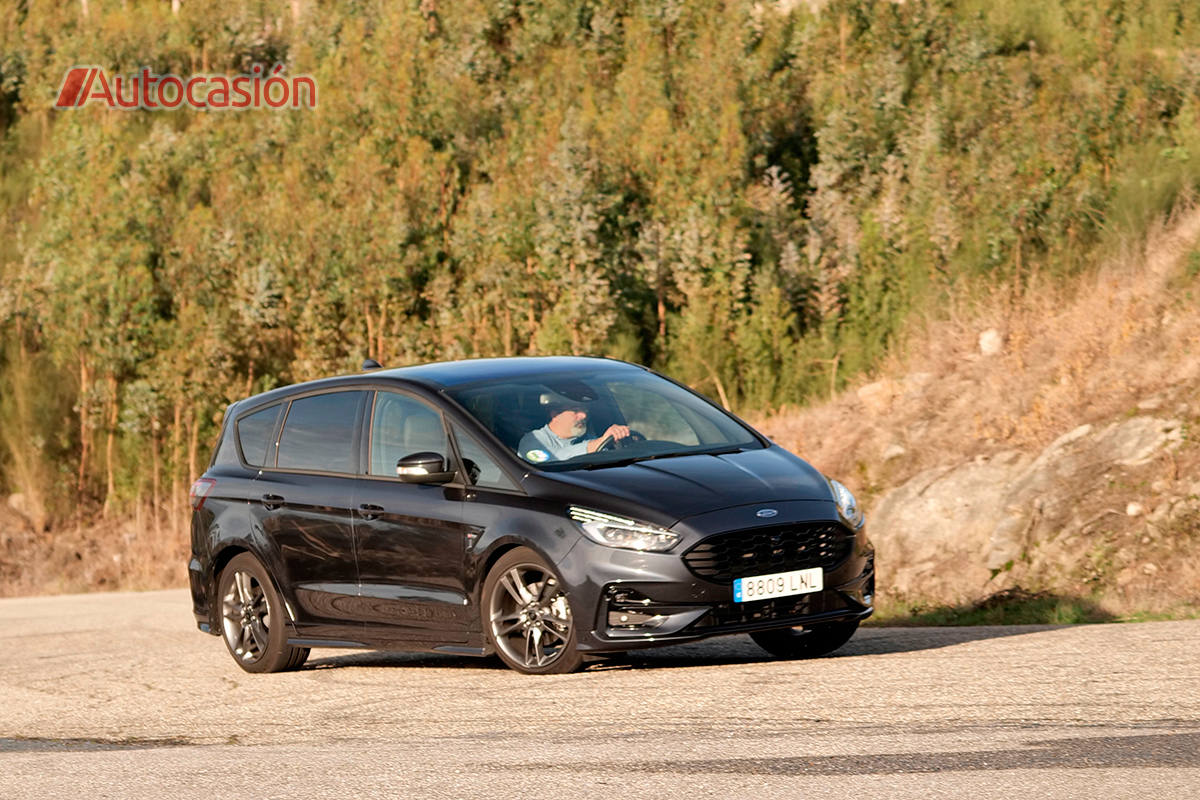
{"x":72,"y":86}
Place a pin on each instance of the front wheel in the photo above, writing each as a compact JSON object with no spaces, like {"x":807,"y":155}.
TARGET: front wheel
{"x":807,"y":642}
{"x":252,"y":623}
{"x":528,"y":619}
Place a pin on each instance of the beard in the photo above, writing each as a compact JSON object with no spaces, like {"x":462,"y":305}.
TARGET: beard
{"x":579,"y":429}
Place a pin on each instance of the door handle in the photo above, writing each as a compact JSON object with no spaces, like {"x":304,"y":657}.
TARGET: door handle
{"x":272,"y":501}
{"x":370,"y":511}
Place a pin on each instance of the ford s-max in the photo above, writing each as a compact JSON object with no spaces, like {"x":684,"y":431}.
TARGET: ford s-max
{"x":538,"y":509}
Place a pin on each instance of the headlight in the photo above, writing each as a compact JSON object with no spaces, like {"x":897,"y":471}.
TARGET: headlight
{"x":614,"y":531}
{"x":846,"y":503}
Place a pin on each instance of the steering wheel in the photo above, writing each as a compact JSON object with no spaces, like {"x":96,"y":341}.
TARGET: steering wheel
{"x":610,"y":443}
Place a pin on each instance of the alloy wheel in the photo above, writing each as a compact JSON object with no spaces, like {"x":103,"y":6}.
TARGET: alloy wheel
{"x":530,"y":617}
{"x":246,"y":613}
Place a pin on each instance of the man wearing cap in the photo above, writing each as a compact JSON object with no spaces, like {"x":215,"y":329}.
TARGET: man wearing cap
{"x":562,"y":437}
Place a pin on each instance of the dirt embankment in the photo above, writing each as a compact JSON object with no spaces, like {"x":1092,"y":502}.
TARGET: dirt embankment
{"x":1045,"y":441}
{"x":131,"y":553}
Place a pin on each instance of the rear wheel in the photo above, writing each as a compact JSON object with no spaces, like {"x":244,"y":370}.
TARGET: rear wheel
{"x":252,"y":623}
{"x":807,"y":642}
{"x":528,"y":619}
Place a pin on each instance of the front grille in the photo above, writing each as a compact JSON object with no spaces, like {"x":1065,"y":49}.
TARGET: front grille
{"x":763,"y":551}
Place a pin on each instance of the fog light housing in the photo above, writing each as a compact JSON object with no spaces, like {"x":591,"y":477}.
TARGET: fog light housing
{"x":631,"y":611}
{"x":634,"y":620}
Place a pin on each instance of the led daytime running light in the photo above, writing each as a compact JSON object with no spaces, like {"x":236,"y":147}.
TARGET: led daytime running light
{"x":613,"y":531}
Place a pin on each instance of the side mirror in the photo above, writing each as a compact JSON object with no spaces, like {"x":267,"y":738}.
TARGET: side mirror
{"x":424,"y":467}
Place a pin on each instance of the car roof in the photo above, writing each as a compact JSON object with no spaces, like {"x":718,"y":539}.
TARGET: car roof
{"x":448,"y":374}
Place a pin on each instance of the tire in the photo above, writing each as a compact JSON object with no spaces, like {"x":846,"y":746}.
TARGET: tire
{"x":810,"y":642}
{"x":527,"y":618}
{"x":252,"y":622}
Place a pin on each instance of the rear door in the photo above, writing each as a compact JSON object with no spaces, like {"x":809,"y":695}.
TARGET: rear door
{"x":301,"y":504}
{"x":410,"y":538}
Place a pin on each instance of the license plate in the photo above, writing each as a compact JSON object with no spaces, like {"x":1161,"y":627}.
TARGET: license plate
{"x":780,"y":584}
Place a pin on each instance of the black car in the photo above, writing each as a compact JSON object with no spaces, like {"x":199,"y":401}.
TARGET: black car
{"x":535,"y":508}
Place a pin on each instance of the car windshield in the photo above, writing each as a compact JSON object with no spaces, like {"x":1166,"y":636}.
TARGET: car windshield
{"x":565,"y":421}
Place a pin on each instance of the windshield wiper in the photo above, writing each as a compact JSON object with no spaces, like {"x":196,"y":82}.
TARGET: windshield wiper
{"x":720,"y":451}
{"x":621,"y":462}
{"x":624,"y":462}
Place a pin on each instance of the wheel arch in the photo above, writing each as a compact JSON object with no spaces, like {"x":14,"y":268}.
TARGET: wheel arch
{"x":494,"y":555}
{"x":500,"y":549}
{"x":222,"y":559}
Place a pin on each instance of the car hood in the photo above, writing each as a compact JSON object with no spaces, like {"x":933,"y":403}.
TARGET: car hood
{"x":684,"y":486}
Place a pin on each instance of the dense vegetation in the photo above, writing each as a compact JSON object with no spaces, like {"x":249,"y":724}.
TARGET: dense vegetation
{"x":752,"y":197}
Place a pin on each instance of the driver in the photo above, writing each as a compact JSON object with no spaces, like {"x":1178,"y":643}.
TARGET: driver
{"x":562,"y":437}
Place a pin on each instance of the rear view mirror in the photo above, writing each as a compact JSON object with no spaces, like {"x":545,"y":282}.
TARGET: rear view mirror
{"x":424,"y":467}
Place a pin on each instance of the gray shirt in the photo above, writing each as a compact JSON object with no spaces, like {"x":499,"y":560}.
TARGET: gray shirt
{"x":544,"y":444}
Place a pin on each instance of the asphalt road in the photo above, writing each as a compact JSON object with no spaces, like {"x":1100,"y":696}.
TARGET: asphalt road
{"x":117,"y":695}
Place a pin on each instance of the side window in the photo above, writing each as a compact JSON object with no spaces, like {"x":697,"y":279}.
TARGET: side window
{"x":402,"y":426}
{"x":319,"y":433}
{"x":254,"y":432}
{"x":482,"y":469}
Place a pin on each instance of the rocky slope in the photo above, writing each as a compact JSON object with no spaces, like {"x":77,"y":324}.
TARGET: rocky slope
{"x":1061,"y":519}
{"x":1041,"y":440}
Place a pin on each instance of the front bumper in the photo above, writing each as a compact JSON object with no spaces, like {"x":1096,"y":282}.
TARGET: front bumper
{"x":623,"y":599}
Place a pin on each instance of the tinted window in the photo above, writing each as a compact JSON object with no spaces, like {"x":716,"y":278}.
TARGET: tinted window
{"x":255,"y":433}
{"x":482,"y":469}
{"x":403,"y":426}
{"x":320,"y":433}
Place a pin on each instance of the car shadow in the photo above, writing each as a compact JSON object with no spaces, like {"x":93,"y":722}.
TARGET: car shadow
{"x":738,"y":649}
{"x":394,"y":658}
{"x":873,"y":641}
{"x":867,"y":641}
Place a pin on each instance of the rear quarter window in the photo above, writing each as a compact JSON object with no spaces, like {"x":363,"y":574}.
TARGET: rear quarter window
{"x":255,"y":435}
